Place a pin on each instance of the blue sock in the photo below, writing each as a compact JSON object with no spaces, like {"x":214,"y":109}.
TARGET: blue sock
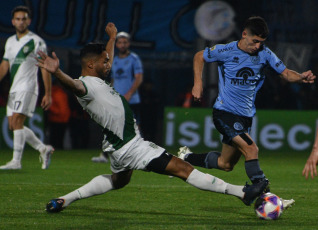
{"x":254,"y":171}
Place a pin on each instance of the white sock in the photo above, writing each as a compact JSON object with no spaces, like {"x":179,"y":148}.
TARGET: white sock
{"x":33,"y":140}
{"x":211,"y":183}
{"x":235,"y":190}
{"x":18,"y":144}
{"x":98,"y":185}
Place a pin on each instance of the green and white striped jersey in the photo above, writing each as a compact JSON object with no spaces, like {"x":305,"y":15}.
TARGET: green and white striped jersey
{"x":110,"y":110}
{"x":21,"y":53}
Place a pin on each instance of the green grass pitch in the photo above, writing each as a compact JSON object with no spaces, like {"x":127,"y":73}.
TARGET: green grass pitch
{"x":150,"y":201}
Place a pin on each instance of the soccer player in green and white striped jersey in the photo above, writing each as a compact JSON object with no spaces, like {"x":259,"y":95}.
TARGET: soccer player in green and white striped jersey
{"x":19,"y":58}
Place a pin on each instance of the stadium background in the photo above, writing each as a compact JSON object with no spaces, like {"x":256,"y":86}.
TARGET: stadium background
{"x":164,"y":35}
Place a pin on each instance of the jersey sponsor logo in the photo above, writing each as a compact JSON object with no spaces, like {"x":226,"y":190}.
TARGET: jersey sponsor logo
{"x":238,"y":126}
{"x":278,"y":64}
{"x":19,"y":61}
{"x":152,"y":145}
{"x":255,"y":59}
{"x":225,"y":49}
{"x":244,"y":73}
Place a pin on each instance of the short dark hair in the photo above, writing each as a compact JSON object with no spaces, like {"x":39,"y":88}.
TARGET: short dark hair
{"x":257,"y":26}
{"x":21,"y":8}
{"x":92,"y":49}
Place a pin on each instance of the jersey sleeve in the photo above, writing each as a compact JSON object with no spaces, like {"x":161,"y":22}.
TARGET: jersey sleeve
{"x":89,"y":93}
{"x":214,"y":53}
{"x":5,"y":55}
{"x":41,"y":46}
{"x":137,"y":65}
{"x":274,"y":61}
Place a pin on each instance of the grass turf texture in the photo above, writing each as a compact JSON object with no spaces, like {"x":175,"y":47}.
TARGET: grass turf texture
{"x":150,"y":201}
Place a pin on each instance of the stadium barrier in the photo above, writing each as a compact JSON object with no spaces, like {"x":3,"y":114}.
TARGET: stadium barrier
{"x":275,"y":130}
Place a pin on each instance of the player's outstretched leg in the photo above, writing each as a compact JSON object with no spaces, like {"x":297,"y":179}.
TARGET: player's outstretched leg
{"x":45,"y":156}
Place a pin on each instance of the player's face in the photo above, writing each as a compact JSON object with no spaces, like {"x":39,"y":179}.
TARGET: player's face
{"x":102,"y":65}
{"x":251,"y":43}
{"x":21,"y":21}
{"x":122,"y":44}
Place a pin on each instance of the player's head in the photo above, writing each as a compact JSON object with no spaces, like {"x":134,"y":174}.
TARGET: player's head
{"x":95,"y":60}
{"x":21,"y":18}
{"x":255,"y":32}
{"x":123,"y":42}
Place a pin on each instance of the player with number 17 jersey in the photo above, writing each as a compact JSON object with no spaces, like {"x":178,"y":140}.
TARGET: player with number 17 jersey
{"x":240,"y":76}
{"x":21,"y":54}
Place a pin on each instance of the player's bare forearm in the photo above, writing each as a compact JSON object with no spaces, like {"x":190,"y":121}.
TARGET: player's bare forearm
{"x":135,"y":85}
{"x":198,"y":64}
{"x":293,"y":76}
{"x":47,"y":81}
{"x":312,"y":161}
{"x":111,"y":30}
{"x":4,"y":68}
{"x":76,"y":86}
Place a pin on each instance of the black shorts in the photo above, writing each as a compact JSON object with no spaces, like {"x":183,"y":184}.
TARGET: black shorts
{"x":231,"y":125}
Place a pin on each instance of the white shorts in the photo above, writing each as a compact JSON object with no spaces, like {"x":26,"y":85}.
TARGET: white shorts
{"x":21,"y":102}
{"x":136,"y":154}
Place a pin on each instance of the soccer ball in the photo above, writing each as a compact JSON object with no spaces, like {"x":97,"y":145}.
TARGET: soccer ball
{"x":268,"y":206}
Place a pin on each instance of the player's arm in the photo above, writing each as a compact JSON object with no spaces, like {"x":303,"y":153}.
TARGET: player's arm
{"x":47,"y":81}
{"x":311,"y":164}
{"x":137,"y":82}
{"x":198,"y":64}
{"x":111,"y":31}
{"x":4,"y":68}
{"x":52,"y":65}
{"x":293,"y":76}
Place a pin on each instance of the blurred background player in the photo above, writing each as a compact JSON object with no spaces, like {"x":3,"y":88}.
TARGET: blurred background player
{"x":312,"y":161}
{"x":19,"y":57}
{"x":240,"y":77}
{"x":126,"y":78}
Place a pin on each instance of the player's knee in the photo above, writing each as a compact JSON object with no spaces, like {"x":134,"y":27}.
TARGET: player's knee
{"x":228,"y":167}
{"x":121,"y":180}
{"x":118,"y":184}
{"x":225,"y":166}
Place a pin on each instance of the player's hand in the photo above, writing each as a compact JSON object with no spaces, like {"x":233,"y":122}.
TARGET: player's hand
{"x":308,"y":77}
{"x":48,"y":63}
{"x":46,"y":102}
{"x":111,"y":30}
{"x":197,"y":92}
{"x":311,"y":165}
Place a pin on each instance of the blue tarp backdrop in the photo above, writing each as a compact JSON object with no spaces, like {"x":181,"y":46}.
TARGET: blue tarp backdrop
{"x":154,"y":25}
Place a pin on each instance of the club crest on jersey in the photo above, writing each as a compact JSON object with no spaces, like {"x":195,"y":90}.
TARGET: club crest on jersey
{"x":26,"y":49}
{"x":235,"y":60}
{"x":255,"y":59}
{"x":238,"y":126}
